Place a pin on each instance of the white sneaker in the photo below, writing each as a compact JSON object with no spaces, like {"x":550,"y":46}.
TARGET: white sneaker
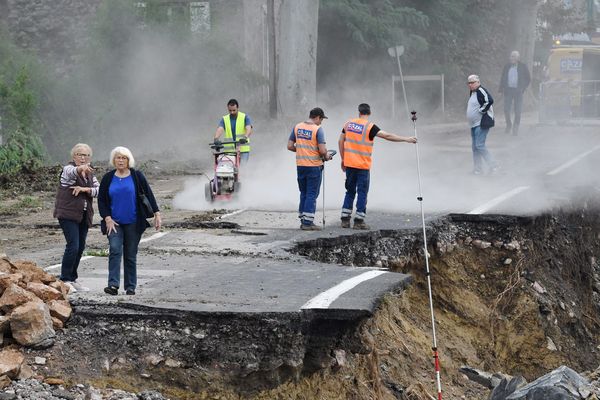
{"x":79,"y":287}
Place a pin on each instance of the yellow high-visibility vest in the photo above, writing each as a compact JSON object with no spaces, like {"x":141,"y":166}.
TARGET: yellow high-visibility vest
{"x":240,"y":130}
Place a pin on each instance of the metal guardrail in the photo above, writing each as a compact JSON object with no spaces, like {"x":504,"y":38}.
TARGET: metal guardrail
{"x":573,"y":99}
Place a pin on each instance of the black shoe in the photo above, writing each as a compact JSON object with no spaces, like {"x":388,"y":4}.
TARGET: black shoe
{"x":130,"y":292}
{"x":345,"y":222}
{"x":111,"y":290}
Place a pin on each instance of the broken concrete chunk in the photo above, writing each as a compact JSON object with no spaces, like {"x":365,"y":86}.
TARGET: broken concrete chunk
{"x":562,"y":383}
{"x":40,"y":360}
{"x":11,"y":361}
{"x":506,"y":387}
{"x":31,"y":325}
{"x":154,"y":359}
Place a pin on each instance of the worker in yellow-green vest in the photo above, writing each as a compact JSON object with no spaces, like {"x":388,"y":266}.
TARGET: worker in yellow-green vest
{"x":237,"y":127}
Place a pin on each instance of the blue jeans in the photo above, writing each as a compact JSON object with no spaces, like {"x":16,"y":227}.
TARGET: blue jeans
{"x":75,"y":234}
{"x":309,"y":183}
{"x":357,"y":180}
{"x":123,"y":244}
{"x":480,"y":152}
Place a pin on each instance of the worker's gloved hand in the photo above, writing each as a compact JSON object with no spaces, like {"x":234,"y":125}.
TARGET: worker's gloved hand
{"x":217,"y":143}
{"x":243,"y":140}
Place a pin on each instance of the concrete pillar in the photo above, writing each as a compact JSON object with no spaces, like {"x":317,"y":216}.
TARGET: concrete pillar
{"x":297,"y":56}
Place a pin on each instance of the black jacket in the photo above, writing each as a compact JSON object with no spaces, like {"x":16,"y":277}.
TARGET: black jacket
{"x":522,"y":75}
{"x":487,"y":111}
{"x":139,"y":181}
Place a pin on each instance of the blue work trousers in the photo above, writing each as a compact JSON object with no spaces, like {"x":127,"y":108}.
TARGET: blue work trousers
{"x":123,"y":245}
{"x":75,"y":235}
{"x":357,"y":181}
{"x":309,"y":183}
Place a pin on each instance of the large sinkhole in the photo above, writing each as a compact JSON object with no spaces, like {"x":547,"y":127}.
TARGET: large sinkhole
{"x":511,"y":294}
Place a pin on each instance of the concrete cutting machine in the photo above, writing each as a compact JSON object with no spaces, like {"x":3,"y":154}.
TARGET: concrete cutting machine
{"x":226,"y":180}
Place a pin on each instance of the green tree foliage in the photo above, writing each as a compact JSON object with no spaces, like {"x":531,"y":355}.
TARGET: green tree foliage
{"x":22,"y":147}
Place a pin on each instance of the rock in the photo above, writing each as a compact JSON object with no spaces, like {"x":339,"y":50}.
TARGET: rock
{"x":340,"y":358}
{"x":32,"y":273}
{"x":40,"y":360}
{"x":485,"y":379}
{"x":31,"y":325}
{"x":10,"y":362}
{"x":561,"y":384}
{"x":7,"y":280}
{"x":508,"y":261}
{"x":61,"y":287}
{"x":497,"y":243}
{"x":506,"y":387}
{"x":538,"y":288}
{"x":57,"y":324}
{"x":14,"y":296}
{"x":4,"y":382}
{"x":171,"y":363}
{"x":480,"y":244}
{"x":6,"y":266}
{"x":54,"y":381}
{"x":64,"y":394}
{"x":551,"y":346}
{"x":513,"y":245}
{"x":60,"y":309}
{"x":154,"y":359}
{"x":4,"y":323}
{"x":150,"y":395}
{"x":44,"y":292}
{"x":25,"y":373}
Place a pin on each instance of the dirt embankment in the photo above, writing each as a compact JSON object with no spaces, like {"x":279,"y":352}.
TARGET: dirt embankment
{"x":516,"y":295}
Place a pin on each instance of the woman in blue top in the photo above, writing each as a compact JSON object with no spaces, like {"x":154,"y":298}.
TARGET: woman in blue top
{"x":123,"y":219}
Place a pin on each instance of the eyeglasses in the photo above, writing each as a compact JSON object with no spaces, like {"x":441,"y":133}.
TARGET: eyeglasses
{"x":468,"y":83}
{"x":81,"y":155}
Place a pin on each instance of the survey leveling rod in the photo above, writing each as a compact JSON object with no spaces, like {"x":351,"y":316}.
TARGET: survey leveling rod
{"x":426,"y":254}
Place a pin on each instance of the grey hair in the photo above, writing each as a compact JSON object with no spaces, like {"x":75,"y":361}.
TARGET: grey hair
{"x":474,"y":78}
{"x":80,"y":146}
{"x":121,"y":151}
{"x":516,"y":54}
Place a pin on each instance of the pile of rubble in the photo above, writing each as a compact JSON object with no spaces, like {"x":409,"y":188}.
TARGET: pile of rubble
{"x":33,"y":305}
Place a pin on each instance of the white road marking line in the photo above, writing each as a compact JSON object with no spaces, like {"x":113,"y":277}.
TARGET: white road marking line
{"x":231,"y":214}
{"x":573,"y":161}
{"x":153,"y":237}
{"x":324,"y":300}
{"x":494,"y":202}
{"x":58,"y":265}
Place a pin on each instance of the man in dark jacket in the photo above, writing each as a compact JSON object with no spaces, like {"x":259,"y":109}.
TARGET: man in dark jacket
{"x":480,"y":115}
{"x":515,"y":79}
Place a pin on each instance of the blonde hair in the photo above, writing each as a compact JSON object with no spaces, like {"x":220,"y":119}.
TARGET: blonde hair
{"x":122,"y":151}
{"x":80,"y":146}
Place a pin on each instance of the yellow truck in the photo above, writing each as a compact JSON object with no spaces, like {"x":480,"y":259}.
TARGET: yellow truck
{"x":571,"y":86}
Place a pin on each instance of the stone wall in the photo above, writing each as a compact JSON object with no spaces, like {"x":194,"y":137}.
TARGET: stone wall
{"x":55,"y":29}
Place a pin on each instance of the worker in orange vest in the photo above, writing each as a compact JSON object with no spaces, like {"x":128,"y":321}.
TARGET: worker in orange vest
{"x":307,"y":140}
{"x":356,"y":148}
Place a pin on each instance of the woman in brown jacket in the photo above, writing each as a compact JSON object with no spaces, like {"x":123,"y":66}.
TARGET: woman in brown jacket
{"x":73,"y":208}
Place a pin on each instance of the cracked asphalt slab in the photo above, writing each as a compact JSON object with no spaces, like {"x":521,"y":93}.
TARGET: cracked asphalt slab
{"x":249,"y":269}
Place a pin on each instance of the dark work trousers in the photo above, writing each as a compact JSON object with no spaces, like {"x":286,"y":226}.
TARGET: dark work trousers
{"x":309,"y":183}
{"x":513,"y":96}
{"x":75,"y":234}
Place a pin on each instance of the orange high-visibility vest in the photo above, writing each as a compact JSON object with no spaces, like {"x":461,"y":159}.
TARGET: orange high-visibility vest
{"x":357,"y":145}
{"x":307,"y":147}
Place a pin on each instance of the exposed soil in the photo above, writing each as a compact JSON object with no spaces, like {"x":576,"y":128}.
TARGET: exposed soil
{"x":524,"y":305}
